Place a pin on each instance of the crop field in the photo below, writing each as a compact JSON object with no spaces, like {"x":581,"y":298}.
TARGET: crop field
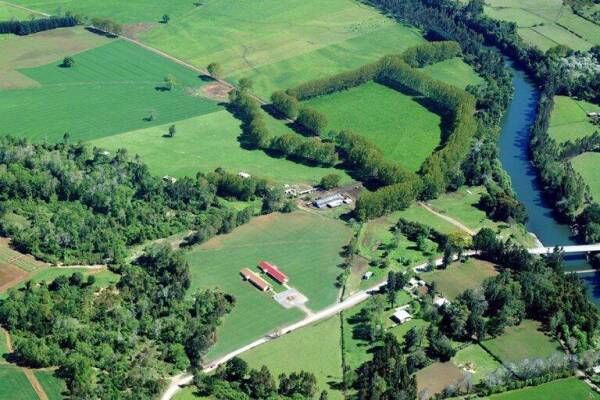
{"x":477,"y":361}
{"x":53,"y":386}
{"x":206,"y":142}
{"x":305,"y":246}
{"x":126,"y":82}
{"x":460,"y":276}
{"x":402,"y":128}
{"x":41,"y":49}
{"x":315,"y":348}
{"x":569,"y":120}
{"x":248,"y":39}
{"x":546,"y":23}
{"x":521,"y":342}
{"x":588,"y":165}
{"x":14,"y":384}
{"x":454,"y":72}
{"x":570,"y":388}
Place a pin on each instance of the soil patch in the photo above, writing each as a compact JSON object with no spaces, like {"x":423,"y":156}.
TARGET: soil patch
{"x":436,"y":377}
{"x":133,"y":30}
{"x":10,"y":276}
{"x":216,"y":91}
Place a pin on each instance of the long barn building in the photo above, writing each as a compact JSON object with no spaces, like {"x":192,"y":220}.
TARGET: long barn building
{"x":273,"y":271}
{"x":256,"y":280}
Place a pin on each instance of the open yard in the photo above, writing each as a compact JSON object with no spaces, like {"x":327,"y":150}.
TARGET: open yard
{"x":571,"y":388}
{"x":546,"y":23}
{"x":460,"y":276}
{"x":406,"y":131}
{"x":521,"y":342}
{"x":14,"y":384}
{"x":114,"y":88}
{"x":569,"y":120}
{"x":588,"y":165}
{"x":315,"y":348}
{"x":475,"y":360}
{"x":305,"y":246}
{"x":454,"y":72}
{"x":206,"y":142}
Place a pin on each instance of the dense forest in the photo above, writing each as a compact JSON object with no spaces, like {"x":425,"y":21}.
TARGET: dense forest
{"x":71,"y":204}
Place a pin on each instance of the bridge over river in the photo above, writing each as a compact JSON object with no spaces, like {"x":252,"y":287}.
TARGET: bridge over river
{"x":584,"y":248}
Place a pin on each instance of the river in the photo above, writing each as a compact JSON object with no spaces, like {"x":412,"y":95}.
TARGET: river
{"x":514,"y":155}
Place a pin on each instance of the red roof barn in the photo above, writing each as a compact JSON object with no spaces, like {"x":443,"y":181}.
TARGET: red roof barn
{"x":255,"y":279}
{"x":273,"y":271}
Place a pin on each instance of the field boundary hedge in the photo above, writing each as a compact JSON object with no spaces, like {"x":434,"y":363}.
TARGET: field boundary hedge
{"x":23,"y":28}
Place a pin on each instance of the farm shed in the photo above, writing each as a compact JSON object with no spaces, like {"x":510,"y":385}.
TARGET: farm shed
{"x":273,"y":271}
{"x":401,"y":315}
{"x":325,"y":201}
{"x":256,"y":280}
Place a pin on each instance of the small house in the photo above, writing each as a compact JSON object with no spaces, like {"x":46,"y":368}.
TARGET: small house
{"x":256,"y":280}
{"x":244,"y":175}
{"x":439,"y":301}
{"x":273,"y":271}
{"x":169,"y":179}
{"x":367,"y":275}
{"x":401,"y":315}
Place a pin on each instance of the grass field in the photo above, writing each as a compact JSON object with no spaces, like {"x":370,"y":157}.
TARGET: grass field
{"x":205,"y":143}
{"x":10,"y":13}
{"x":14,"y":384}
{"x":460,"y":276}
{"x":477,"y":361}
{"x":571,"y":388}
{"x":53,"y":386}
{"x":305,"y":246}
{"x":454,"y":72}
{"x":3,"y":346}
{"x":569,"y":120}
{"x":521,"y":342}
{"x":402,"y":128}
{"x":111,"y":89}
{"x":282,"y":44}
{"x":588,"y":165}
{"x":546,"y":23}
{"x":40,"y":49}
{"x":315,"y":348}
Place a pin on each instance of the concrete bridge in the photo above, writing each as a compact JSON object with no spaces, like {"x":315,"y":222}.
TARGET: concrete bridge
{"x":584,"y":248}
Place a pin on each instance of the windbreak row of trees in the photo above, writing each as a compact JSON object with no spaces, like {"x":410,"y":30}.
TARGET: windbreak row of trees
{"x":23,"y":28}
{"x":118,"y":343}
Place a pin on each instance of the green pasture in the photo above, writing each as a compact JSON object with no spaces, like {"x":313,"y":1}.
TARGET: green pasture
{"x":126,"y":12}
{"x":400,"y":330}
{"x":522,"y":341}
{"x":111,"y":89}
{"x":588,"y":165}
{"x":460,"y":276}
{"x":52,"y":385}
{"x":546,"y":23}
{"x":3,"y":346}
{"x":14,"y":384}
{"x":10,"y":13}
{"x":305,"y":246}
{"x":398,"y":124}
{"x":40,"y":49}
{"x":281,"y":44}
{"x":316,"y":348}
{"x":188,"y":393}
{"x":477,"y":360}
{"x":356,"y":350}
{"x":454,"y":72}
{"x":206,"y":142}
{"x":570,"y":388}
{"x":462,"y":206}
{"x":569,"y":120}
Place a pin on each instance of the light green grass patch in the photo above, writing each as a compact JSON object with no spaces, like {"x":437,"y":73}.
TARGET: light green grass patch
{"x":204,"y":143}
{"x":454,"y":72}
{"x":3,"y":346}
{"x":356,"y":350}
{"x":188,"y":393}
{"x":460,"y":276}
{"x":111,"y":89}
{"x":11,"y":13}
{"x":588,"y":165}
{"x":477,"y":361}
{"x":403,"y":129}
{"x":52,"y":385}
{"x":521,"y":342}
{"x":305,"y":246}
{"x":315,"y":349}
{"x":125,"y":12}
{"x":570,"y":388}
{"x":400,"y":330}
{"x":416,"y":213}
{"x":14,"y":384}
{"x":569,"y":120}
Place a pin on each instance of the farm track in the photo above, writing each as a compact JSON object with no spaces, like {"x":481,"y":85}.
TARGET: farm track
{"x":25,"y":9}
{"x":446,"y":218}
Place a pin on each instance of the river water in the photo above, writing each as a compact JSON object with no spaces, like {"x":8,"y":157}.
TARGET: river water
{"x":514,"y":155}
